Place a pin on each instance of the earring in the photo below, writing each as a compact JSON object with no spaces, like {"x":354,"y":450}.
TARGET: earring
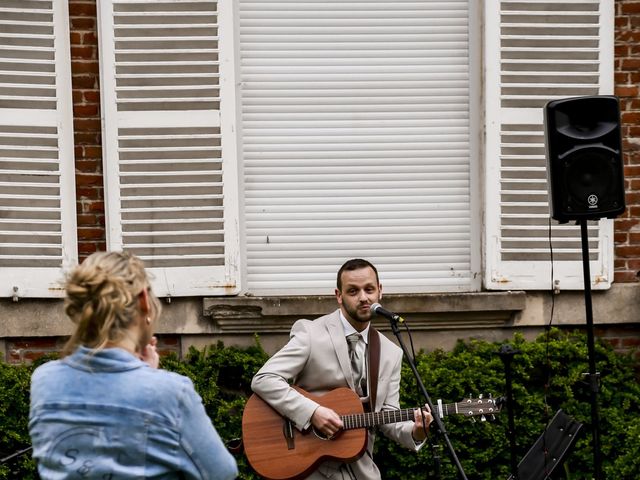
{"x":148,"y":320}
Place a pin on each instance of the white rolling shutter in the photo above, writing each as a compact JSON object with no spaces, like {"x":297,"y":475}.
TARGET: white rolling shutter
{"x":37,"y":190}
{"x":537,"y":51}
{"x":169,"y":152}
{"x":356,"y":143}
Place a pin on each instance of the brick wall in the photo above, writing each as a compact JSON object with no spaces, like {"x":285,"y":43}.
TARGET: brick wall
{"x":85,"y":77}
{"x":26,"y":350}
{"x":623,"y":339}
{"x":627,"y":79}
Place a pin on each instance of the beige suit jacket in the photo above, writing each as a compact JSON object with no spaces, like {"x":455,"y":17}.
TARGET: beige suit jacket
{"x":316,"y":358}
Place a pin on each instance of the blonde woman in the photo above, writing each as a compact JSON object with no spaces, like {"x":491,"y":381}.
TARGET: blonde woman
{"x":105,"y":411}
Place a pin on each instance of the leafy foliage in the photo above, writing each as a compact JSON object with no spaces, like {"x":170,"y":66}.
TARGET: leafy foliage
{"x":222,"y":376}
{"x":547,"y":375}
{"x":14,"y":418}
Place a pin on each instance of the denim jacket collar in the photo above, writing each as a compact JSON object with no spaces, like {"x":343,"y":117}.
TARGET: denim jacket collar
{"x":104,"y":360}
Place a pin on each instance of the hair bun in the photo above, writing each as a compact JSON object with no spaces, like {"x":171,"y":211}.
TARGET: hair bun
{"x":102,"y":297}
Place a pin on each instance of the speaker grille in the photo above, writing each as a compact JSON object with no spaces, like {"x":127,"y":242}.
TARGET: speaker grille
{"x":590,"y":175}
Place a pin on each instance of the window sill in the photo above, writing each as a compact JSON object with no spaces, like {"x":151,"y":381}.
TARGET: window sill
{"x":423,"y":311}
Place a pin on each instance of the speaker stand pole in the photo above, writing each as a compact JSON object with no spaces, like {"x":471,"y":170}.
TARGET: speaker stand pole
{"x":593,"y":376}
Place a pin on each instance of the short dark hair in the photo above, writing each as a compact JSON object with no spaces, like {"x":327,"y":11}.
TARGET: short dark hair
{"x":355,"y":264}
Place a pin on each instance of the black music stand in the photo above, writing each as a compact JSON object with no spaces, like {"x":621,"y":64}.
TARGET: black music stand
{"x":550,"y":450}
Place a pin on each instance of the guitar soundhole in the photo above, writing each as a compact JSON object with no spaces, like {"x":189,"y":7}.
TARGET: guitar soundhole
{"x":322,"y":436}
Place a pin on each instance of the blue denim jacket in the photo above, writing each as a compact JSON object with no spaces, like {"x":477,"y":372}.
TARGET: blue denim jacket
{"x":108,"y":415}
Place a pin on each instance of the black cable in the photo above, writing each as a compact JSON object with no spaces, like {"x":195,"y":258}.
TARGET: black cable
{"x":548,"y":327}
{"x":547,"y":369}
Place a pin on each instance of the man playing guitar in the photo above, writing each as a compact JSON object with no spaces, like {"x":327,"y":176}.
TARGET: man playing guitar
{"x":318,"y":360}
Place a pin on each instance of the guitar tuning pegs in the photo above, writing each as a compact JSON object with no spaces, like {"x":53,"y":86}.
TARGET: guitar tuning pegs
{"x":483,"y":418}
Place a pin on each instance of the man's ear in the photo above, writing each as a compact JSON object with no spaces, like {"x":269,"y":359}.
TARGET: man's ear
{"x":145,"y":304}
{"x":338,"y":296}
{"x":380,"y":290}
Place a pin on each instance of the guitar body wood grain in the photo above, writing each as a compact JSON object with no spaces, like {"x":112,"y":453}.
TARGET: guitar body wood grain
{"x":266,"y":446}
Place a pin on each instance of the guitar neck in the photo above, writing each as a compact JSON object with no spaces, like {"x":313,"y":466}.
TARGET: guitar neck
{"x":372,"y":419}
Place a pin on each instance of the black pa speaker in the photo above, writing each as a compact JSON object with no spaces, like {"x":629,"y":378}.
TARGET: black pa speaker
{"x":584,"y":158}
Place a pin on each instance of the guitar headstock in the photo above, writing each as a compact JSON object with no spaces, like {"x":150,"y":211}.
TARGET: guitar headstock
{"x":480,"y":407}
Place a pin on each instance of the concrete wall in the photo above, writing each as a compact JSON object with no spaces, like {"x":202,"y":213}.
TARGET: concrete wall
{"x":31,"y":327}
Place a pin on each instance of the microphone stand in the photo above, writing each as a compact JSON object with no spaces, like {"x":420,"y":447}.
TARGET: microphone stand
{"x":15,"y":455}
{"x":435,"y":449}
{"x":436,"y":418}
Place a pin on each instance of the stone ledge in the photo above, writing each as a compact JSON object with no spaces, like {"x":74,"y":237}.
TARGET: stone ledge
{"x":421,"y":311}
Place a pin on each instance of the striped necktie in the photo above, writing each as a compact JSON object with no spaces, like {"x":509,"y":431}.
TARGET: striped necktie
{"x":357,"y":363}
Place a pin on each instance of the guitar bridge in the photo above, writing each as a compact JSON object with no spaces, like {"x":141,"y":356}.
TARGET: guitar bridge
{"x":287,"y":429}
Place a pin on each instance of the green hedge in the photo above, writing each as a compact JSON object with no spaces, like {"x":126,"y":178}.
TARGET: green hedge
{"x":547,"y":376}
{"x":14,"y":416}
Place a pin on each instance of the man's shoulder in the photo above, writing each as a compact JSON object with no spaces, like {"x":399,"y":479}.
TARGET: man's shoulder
{"x":328,"y":318}
{"x":317,"y":322}
{"x":315,"y":327}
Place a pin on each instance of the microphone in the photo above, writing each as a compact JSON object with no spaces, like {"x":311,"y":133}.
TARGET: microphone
{"x":378,"y":310}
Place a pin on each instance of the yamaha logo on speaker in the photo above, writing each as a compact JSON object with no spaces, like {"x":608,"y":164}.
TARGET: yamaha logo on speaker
{"x":592,"y":200}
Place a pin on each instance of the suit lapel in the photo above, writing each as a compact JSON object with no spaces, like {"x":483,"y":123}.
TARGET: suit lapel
{"x":336,"y":334}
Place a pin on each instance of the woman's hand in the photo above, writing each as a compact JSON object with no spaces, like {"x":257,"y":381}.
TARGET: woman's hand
{"x":150,"y":355}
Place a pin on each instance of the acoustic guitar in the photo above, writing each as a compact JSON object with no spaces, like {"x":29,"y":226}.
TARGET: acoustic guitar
{"x":276,"y":450}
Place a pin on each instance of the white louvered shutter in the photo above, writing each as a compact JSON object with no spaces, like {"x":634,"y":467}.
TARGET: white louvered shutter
{"x":37,"y":190}
{"x":356,"y":143}
{"x":170,"y":154}
{"x":537,"y":51}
